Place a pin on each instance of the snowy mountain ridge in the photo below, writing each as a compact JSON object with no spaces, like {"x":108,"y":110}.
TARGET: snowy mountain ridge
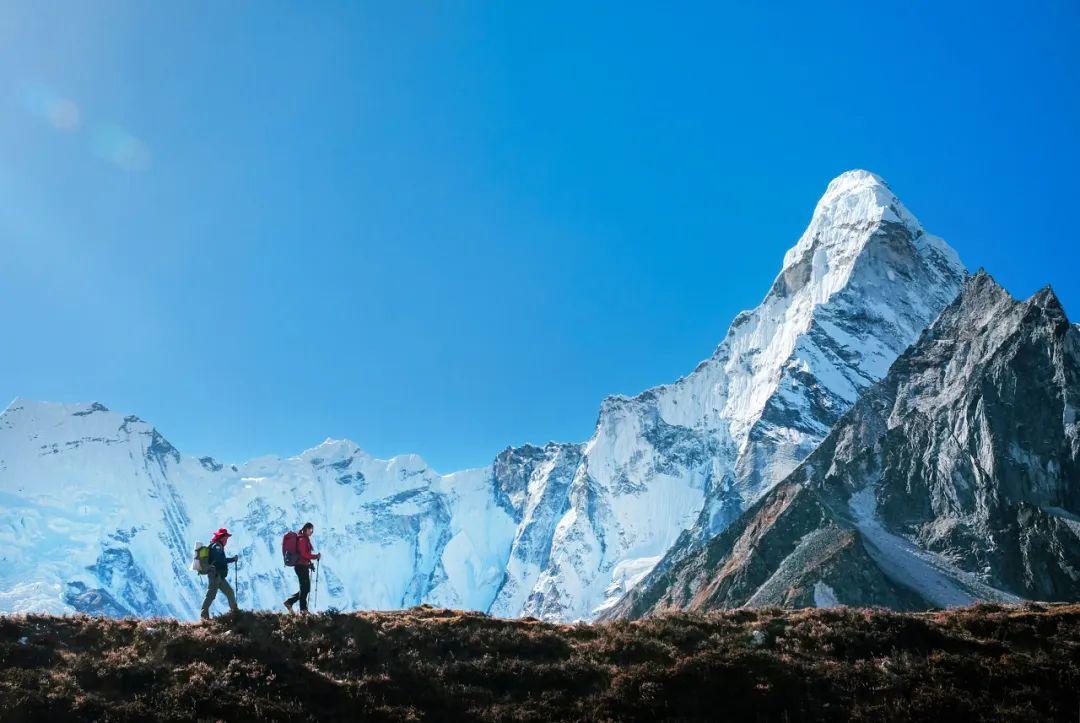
{"x":113,"y":529}
{"x":102,"y":510}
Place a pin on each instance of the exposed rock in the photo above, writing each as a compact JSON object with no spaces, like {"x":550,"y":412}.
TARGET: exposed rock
{"x":955,"y":479}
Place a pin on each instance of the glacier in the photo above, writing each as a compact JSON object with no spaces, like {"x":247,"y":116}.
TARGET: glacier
{"x":99,"y":512}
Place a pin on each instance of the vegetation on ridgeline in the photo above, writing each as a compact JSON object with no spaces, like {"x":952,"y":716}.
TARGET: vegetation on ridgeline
{"x":986,"y":662}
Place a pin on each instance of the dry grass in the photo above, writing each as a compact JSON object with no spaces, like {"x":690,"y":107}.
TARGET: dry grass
{"x":985,"y":663}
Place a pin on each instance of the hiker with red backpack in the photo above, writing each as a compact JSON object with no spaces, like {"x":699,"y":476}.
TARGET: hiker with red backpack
{"x":296,"y":549}
{"x":218,"y":572}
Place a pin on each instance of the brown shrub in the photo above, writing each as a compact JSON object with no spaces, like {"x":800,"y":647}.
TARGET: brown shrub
{"x":987,"y":662}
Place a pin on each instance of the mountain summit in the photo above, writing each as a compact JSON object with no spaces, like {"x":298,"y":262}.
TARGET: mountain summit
{"x":856,"y":289}
{"x":560,"y":531}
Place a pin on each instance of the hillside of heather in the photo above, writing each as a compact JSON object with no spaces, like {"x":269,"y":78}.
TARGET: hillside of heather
{"x":987,"y":663}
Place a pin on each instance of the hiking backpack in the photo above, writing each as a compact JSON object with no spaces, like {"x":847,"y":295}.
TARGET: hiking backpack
{"x":200,"y":563}
{"x":289,"y":552}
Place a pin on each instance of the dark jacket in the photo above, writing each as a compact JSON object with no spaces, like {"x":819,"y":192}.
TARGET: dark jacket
{"x":218,"y":558}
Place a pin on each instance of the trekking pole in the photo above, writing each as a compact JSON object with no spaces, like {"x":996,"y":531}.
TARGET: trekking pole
{"x":315,"y":604}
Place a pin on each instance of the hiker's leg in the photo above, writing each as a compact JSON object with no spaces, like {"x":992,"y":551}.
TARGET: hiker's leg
{"x":293,"y":598}
{"x":229,"y":594}
{"x":304,"y":573}
{"x":211,"y":593}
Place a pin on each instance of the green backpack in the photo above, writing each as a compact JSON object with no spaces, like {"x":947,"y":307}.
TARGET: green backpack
{"x":200,"y":563}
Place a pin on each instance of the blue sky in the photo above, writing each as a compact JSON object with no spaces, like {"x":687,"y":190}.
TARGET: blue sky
{"x":443,"y":228}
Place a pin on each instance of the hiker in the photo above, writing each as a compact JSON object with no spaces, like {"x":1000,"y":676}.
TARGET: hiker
{"x":218,"y":576}
{"x":303,"y":564}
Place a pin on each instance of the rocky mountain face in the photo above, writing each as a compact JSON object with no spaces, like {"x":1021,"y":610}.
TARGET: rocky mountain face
{"x":955,"y":479}
{"x":99,"y":512}
{"x":677,"y":463}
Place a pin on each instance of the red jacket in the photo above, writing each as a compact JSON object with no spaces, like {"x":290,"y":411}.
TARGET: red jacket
{"x":303,"y":550}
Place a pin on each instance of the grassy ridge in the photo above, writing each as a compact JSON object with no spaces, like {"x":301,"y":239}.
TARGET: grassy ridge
{"x":430,"y":664}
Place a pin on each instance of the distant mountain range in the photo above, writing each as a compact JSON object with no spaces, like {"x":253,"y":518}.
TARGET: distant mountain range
{"x":945,"y":477}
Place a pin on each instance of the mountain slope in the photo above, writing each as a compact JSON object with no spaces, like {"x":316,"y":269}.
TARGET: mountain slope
{"x":955,"y":479}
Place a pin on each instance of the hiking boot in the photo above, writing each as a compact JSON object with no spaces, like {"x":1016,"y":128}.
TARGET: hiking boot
{"x":288,"y":606}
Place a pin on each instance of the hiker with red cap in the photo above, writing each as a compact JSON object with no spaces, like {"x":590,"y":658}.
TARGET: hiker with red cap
{"x":219,"y":573}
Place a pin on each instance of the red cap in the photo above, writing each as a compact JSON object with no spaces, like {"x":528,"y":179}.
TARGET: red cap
{"x":221,"y":534}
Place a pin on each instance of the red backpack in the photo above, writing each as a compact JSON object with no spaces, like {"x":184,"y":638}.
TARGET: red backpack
{"x":289,"y":551}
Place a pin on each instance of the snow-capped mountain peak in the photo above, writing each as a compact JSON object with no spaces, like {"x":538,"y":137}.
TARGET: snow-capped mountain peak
{"x":859,"y":286}
{"x":334,"y":449}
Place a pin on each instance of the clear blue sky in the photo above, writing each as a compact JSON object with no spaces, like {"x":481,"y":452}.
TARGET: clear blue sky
{"x":443,"y":228}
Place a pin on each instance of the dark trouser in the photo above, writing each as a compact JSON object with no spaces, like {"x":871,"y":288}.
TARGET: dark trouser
{"x":303,"y":573}
{"x":217,"y":582}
